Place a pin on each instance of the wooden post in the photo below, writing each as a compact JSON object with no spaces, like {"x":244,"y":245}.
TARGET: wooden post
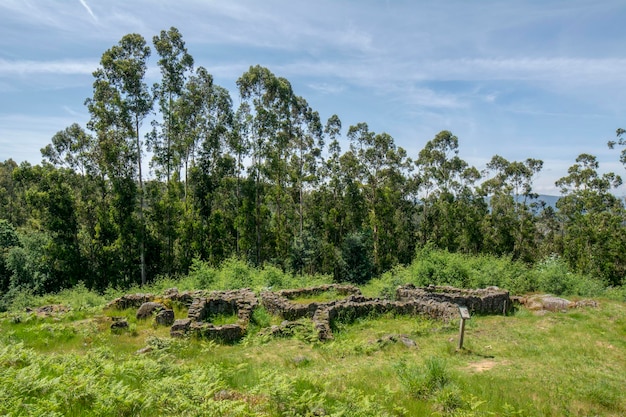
{"x":464,"y":312}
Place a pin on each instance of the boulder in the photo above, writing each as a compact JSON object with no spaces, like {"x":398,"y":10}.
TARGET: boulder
{"x":119,"y":324}
{"x":164,"y":318}
{"x":180,"y":327}
{"x":147,"y":309}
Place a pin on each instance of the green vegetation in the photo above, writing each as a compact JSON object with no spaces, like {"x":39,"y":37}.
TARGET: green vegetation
{"x":262,"y":196}
{"x":521,"y":365}
{"x":267,"y":184}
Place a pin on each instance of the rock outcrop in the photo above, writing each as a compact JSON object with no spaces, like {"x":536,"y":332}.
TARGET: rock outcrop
{"x":547,"y":302}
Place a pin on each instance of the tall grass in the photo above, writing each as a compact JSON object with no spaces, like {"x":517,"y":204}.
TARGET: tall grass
{"x":438,"y":267}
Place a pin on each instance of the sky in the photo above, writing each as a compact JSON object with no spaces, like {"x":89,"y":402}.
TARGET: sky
{"x":542,"y":79}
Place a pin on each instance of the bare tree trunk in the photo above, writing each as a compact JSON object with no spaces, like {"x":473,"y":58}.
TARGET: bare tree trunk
{"x":142,"y":245}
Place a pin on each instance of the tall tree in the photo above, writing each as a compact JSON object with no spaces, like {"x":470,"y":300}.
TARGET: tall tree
{"x":259,"y":88}
{"x":444,"y":177}
{"x":167,"y":139}
{"x":510,"y":227}
{"x":120,"y":104}
{"x":593,"y":221}
{"x":381,"y":173}
{"x":175,"y":64}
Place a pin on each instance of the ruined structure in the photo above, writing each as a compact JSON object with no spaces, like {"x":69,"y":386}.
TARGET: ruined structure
{"x":440,"y":303}
{"x":198,"y":322}
{"x":490,"y":300}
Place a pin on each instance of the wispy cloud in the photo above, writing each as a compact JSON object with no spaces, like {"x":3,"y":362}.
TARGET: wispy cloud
{"x":527,"y":68}
{"x":327,"y":88}
{"x":86,"y":6}
{"x":63,"y":67}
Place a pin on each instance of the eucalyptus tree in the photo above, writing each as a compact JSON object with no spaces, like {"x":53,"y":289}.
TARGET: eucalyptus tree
{"x":71,"y":148}
{"x":382,"y":175}
{"x":262,"y":92}
{"x":443,"y":178}
{"x":510,"y":226}
{"x":621,"y":140}
{"x":329,"y":214}
{"x":239,"y":145}
{"x":121,"y":101}
{"x":167,"y":139}
{"x":175,"y":64}
{"x":306,"y":143}
{"x":593,"y":220}
{"x":213,"y":179}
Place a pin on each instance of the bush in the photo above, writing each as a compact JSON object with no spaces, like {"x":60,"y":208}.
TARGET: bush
{"x":553,"y":276}
{"x":202,"y":274}
{"x":235,"y":274}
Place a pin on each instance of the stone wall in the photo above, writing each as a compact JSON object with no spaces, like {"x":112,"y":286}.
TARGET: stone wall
{"x":439,"y":303}
{"x":359,"y":306}
{"x":202,"y":309}
{"x":279,"y":302}
{"x":490,"y":300}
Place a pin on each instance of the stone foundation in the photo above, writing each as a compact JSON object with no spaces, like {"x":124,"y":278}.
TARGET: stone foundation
{"x":240,"y":302}
{"x":439,"y":303}
{"x":490,"y":300}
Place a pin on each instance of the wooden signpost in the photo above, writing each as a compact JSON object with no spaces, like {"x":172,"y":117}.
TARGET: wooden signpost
{"x":465,"y":315}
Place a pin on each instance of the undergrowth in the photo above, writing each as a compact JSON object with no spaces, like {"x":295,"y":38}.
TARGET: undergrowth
{"x":71,"y":363}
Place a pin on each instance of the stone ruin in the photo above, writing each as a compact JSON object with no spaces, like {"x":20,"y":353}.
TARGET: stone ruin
{"x":490,"y":300}
{"x":239,"y":302}
{"x":201,"y":305}
{"x":440,"y":303}
{"x":279,"y":303}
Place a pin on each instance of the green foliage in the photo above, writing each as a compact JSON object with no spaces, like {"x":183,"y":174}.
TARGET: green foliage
{"x":356,"y":264}
{"x":424,"y":381}
{"x":243,"y":195}
{"x":28,"y":263}
{"x":201,"y":273}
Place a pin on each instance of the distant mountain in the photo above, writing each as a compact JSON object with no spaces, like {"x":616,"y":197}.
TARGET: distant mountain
{"x":550,"y":200}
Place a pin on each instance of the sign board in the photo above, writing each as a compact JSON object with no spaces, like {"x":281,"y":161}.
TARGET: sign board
{"x":464,"y":312}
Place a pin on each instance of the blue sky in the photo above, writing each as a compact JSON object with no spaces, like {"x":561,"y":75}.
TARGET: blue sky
{"x":521,"y":79}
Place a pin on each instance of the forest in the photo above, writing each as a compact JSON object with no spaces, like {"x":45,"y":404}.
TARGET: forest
{"x":266,"y":182}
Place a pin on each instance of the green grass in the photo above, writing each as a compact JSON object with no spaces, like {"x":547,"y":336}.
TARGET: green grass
{"x":320,"y":297}
{"x":557,"y":364}
{"x":552,"y":365}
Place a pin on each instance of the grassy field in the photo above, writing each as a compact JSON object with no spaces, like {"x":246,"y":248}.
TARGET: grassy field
{"x":555,"y":364}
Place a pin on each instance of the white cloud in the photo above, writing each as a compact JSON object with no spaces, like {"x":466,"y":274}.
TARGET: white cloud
{"x":62,"y":67}
{"x":327,"y":88}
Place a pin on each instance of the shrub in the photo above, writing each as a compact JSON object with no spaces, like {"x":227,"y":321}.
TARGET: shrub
{"x":202,"y":274}
{"x":554,"y":277}
{"x":235,"y":274}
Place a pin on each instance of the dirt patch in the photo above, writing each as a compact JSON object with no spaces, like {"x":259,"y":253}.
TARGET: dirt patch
{"x":482,"y":365}
{"x":604,"y":345}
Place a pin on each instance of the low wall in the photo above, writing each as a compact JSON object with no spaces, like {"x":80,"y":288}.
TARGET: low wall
{"x":490,"y":300}
{"x":239,"y":302}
